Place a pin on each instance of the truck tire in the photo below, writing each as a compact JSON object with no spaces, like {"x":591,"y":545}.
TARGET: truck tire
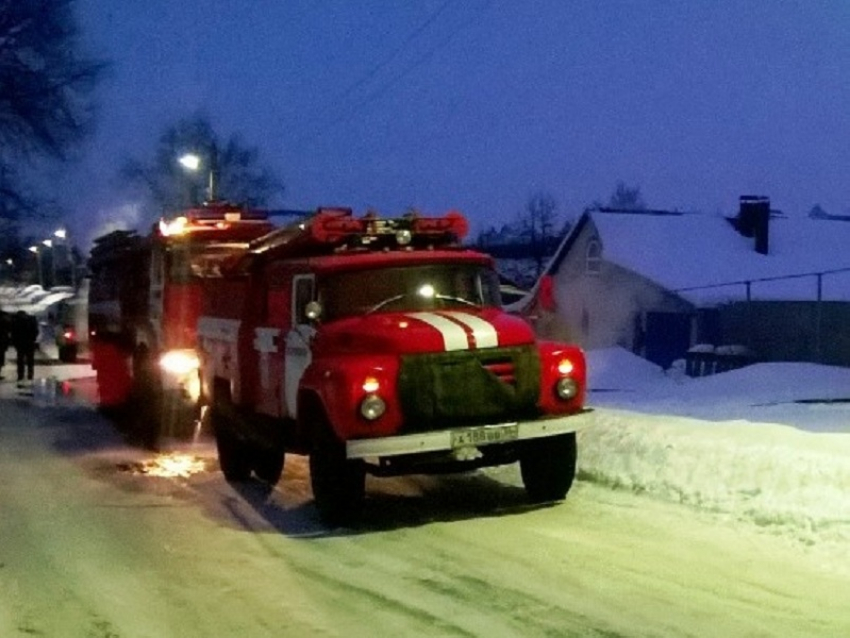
{"x":177,"y":416}
{"x":339,"y":485}
{"x":145,"y":416}
{"x":68,"y":353}
{"x":548,"y":467}
{"x":268,"y":465}
{"x":233,"y":453}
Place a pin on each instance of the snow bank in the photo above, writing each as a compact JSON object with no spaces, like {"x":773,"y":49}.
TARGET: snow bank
{"x":795,"y":482}
{"x":791,"y":476}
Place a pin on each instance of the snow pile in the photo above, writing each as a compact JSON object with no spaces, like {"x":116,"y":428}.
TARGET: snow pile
{"x":710,"y":442}
{"x":616,"y":369}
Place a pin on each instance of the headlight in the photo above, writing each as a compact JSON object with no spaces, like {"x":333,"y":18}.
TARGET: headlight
{"x":372,"y":407}
{"x":179,"y":362}
{"x":566,"y":388}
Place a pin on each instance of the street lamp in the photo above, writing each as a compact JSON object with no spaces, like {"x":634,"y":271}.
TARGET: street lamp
{"x":34,"y":249}
{"x":193,"y":162}
{"x":61,"y":235}
{"x":49,"y":244}
{"x":9,"y":268}
{"x":190,"y":161}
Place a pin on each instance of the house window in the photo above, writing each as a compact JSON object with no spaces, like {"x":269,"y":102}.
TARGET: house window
{"x":593,"y":257}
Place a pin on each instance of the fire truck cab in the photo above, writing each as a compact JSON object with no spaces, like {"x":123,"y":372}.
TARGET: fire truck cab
{"x":144,"y":303}
{"x":380,"y":345}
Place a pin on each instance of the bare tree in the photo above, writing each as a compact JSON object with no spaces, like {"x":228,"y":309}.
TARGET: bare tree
{"x":228,"y":170}
{"x":537,"y":224}
{"x":45,"y":94}
{"x":626,"y":197}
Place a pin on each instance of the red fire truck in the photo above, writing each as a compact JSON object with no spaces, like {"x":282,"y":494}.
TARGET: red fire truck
{"x":380,"y":345}
{"x":144,"y":302}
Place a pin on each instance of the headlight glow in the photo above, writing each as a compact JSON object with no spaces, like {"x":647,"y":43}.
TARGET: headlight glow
{"x":371,"y":385}
{"x":179,"y":362}
{"x":565,"y":366}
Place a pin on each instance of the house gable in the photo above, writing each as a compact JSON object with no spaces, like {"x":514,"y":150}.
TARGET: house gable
{"x":599,"y":303}
{"x":657,"y":270}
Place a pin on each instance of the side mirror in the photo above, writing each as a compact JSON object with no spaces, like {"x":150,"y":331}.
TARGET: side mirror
{"x":313,"y":311}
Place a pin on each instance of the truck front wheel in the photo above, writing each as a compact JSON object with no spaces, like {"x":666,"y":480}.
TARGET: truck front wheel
{"x":147,"y":395}
{"x":548,"y":467}
{"x":339,"y":484}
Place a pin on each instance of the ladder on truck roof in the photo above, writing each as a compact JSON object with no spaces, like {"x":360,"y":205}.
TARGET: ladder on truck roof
{"x":334,"y":229}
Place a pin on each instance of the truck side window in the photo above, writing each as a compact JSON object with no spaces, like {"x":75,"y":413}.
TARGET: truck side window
{"x":303,"y":289}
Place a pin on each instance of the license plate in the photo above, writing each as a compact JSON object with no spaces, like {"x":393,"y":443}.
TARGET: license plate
{"x":484,"y":435}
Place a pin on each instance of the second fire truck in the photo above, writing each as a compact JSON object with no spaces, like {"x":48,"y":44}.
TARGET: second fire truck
{"x":380,"y":345}
{"x":144,"y":303}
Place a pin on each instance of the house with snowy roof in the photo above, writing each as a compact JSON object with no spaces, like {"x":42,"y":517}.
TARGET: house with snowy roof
{"x":663,"y":283}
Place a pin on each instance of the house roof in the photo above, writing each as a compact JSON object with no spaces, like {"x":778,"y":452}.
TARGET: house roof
{"x":703,"y":258}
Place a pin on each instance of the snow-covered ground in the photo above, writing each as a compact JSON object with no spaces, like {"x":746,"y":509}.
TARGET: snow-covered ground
{"x":768,"y":444}
{"x":701,"y":508}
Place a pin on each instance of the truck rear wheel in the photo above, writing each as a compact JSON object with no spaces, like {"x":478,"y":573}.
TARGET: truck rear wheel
{"x":548,"y":467}
{"x":268,"y":465}
{"x":233,"y":453}
{"x":339,"y":485}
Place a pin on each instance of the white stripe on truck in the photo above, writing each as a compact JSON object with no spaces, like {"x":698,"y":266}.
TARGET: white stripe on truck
{"x":454,"y":336}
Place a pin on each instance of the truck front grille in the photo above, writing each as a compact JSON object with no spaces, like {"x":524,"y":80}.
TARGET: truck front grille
{"x":469,"y":387}
{"x":503,"y":369}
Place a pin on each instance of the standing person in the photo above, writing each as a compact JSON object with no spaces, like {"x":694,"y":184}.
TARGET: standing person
{"x":4,"y":340}
{"x":24,"y":336}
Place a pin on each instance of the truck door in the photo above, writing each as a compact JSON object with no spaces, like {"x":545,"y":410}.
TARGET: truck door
{"x":297,"y":349}
{"x":268,"y":342}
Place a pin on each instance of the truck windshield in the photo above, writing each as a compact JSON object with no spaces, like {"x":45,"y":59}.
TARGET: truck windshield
{"x":409,"y":288}
{"x":186,"y":263}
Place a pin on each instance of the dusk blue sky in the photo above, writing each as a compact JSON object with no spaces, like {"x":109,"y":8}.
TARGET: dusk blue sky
{"x":477,"y":104}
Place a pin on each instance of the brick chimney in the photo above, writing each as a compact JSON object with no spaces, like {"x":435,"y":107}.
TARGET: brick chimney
{"x":754,"y":220}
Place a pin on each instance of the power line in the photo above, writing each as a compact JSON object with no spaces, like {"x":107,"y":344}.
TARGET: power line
{"x":371,"y":73}
{"x":380,"y":65}
{"x":350,"y":110}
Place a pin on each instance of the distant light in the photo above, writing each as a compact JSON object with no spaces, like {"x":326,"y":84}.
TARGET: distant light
{"x":33,"y":249}
{"x":48,"y":243}
{"x":61,"y":233}
{"x":190,"y":161}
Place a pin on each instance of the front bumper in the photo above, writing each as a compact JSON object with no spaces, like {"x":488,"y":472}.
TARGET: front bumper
{"x":442,"y":440}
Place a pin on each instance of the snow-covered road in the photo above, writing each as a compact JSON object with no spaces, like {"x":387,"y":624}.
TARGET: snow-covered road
{"x":94,"y":547}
